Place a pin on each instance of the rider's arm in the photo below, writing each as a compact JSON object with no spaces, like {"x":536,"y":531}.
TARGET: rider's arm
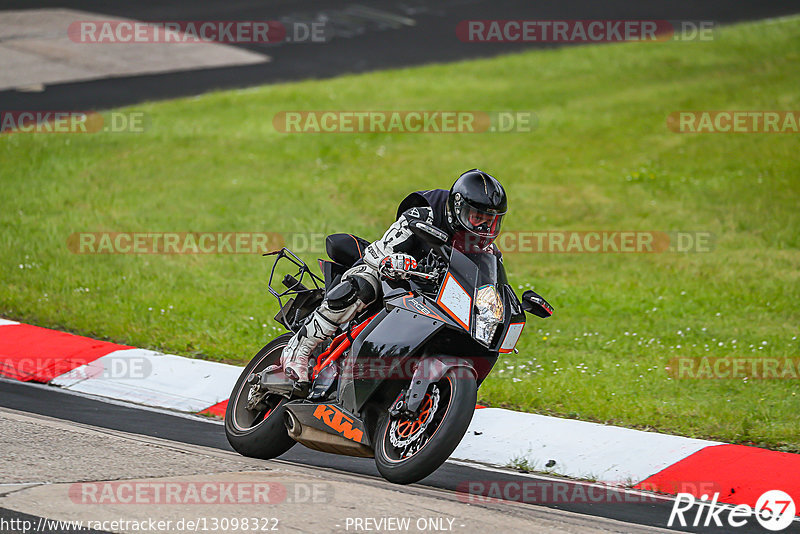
{"x":398,"y":238}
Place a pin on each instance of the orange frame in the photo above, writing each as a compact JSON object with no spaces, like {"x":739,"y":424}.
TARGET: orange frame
{"x":337,"y":347}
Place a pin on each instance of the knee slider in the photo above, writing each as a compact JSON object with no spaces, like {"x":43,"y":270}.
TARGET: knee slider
{"x":342,"y":295}
{"x":365,"y":290}
{"x":348,"y":291}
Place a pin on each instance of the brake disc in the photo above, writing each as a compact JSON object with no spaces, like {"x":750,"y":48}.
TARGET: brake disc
{"x":401,"y":443}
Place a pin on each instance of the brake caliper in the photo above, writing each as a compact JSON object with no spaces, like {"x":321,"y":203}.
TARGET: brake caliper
{"x":405,"y":431}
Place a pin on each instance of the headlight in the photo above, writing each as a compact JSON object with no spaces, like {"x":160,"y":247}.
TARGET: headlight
{"x":490,"y":313}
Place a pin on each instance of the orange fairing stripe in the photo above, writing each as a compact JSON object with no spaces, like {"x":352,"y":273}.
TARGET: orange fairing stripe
{"x":358,"y":247}
{"x":448,"y":310}
{"x":432,"y":314}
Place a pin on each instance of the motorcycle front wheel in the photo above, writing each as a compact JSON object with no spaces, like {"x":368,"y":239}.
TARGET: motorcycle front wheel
{"x":258,"y":433}
{"x":409,"y":449}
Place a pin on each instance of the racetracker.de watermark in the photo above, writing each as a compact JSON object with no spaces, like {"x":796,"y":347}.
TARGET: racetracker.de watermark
{"x":408,"y":121}
{"x":583,"y":31}
{"x":202,"y":492}
{"x":604,"y":242}
{"x":186,"y":242}
{"x":731,"y":367}
{"x":554,"y":492}
{"x":733,"y":121}
{"x":407,"y":368}
{"x":519,"y":242}
{"x":71,"y":122}
{"x":193,"y":32}
{"x":114,"y":367}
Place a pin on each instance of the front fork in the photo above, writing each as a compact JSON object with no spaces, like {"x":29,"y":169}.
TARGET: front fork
{"x":429,"y":371}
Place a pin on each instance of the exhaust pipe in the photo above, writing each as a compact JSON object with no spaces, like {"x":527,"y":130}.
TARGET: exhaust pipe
{"x":319,"y":440}
{"x":293,"y":426}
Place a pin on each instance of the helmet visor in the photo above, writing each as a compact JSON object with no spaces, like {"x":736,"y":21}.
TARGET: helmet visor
{"x":480,"y":222}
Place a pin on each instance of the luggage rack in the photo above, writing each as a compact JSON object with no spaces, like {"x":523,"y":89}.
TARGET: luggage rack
{"x":300,"y":299}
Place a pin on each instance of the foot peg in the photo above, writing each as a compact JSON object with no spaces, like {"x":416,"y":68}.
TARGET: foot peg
{"x":301,"y":389}
{"x":272,"y":380}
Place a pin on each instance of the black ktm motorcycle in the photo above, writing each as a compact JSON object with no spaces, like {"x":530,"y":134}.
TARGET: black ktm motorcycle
{"x":400,"y":382}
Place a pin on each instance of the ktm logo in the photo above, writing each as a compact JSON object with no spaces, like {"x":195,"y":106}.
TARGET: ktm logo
{"x":339,"y":422}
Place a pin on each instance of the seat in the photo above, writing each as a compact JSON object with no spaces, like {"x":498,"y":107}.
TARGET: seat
{"x":345,"y":249}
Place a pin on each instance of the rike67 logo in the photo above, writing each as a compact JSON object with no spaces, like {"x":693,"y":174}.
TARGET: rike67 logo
{"x":775,"y":510}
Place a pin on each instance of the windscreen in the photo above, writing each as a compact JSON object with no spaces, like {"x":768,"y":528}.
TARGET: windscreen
{"x":487,"y":265}
{"x":477,"y":269}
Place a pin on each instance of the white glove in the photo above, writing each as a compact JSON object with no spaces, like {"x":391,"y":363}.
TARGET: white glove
{"x":397,"y":266}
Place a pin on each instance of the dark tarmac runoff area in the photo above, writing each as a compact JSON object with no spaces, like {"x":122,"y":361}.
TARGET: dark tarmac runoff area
{"x":46,"y":71}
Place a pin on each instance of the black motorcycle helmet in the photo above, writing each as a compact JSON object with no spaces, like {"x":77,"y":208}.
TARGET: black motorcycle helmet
{"x":477,"y":205}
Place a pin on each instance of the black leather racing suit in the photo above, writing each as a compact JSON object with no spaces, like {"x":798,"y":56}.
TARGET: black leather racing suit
{"x":360,"y":285}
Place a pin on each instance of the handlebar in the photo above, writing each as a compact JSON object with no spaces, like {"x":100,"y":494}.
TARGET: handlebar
{"x":433,"y":275}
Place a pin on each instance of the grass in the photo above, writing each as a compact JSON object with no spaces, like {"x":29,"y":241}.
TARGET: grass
{"x":522,"y":463}
{"x":601,"y":158}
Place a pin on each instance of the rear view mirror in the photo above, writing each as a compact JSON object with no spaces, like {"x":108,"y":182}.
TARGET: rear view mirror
{"x":534,"y":303}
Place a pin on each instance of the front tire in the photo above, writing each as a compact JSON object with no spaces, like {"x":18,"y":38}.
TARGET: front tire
{"x":408,"y":450}
{"x":258,"y":434}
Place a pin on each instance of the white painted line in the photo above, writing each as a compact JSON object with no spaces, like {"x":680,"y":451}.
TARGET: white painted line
{"x":577,"y":449}
{"x":465,"y":463}
{"x":496,"y":437}
{"x":154,"y":379}
{"x":540,"y":476}
{"x":458,"y":458}
{"x":6,"y":322}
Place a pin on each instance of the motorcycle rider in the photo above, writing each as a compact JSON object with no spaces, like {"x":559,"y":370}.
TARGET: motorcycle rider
{"x":471,"y":214}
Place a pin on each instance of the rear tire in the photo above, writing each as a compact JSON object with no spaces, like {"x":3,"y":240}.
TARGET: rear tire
{"x":258,"y":435}
{"x":457,"y":395}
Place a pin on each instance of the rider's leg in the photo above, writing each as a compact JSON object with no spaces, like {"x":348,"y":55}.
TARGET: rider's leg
{"x":358,"y":289}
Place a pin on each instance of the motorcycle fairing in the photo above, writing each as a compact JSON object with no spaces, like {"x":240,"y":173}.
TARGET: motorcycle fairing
{"x":462,"y":276}
{"x":327,"y":427}
{"x":331,"y":418}
{"x":514,"y":318}
{"x":417,"y":304}
{"x":383,"y":347}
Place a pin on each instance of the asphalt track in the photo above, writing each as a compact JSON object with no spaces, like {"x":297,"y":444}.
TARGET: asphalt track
{"x":393,"y":33}
{"x":49,"y":401}
{"x":356,"y":45}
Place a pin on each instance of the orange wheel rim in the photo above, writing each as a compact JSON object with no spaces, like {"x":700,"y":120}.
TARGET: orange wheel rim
{"x":406,"y":429}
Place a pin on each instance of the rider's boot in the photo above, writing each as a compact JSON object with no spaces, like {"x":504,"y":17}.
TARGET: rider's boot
{"x":358,"y":288}
{"x":297,"y":352}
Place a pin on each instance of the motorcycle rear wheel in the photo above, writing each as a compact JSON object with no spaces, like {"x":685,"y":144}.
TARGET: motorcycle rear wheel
{"x":258,"y":434}
{"x":408,"y":450}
